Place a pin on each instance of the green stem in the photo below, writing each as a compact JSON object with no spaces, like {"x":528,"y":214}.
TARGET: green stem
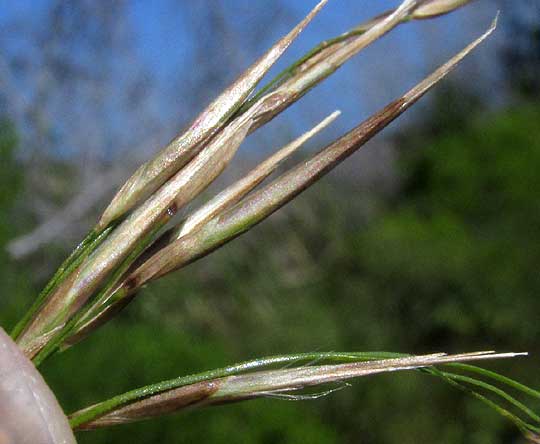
{"x":499,"y":378}
{"x":291,"y":70}
{"x":497,"y":391}
{"x":462,"y":382}
{"x":458,"y":380}
{"x":89,"y":310}
{"x":98,"y":410}
{"x":82,"y":250}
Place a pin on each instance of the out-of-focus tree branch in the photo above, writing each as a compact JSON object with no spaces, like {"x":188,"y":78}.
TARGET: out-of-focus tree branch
{"x":72,"y":213}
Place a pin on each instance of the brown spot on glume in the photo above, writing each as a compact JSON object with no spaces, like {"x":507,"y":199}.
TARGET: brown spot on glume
{"x":131,"y":283}
{"x":172,"y":210}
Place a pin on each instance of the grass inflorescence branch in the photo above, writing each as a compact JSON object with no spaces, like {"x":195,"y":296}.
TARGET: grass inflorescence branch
{"x":254,"y":379}
{"x":257,"y":206}
{"x":138,"y":239}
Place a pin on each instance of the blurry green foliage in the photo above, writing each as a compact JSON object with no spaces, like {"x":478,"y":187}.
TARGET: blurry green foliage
{"x":449,"y":263}
{"x":14,"y":284}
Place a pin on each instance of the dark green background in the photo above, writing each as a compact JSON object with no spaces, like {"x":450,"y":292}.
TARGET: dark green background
{"x":448,"y":263}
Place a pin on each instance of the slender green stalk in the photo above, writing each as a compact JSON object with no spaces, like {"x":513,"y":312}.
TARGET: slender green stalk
{"x":456,"y":381}
{"x":292,"y":70}
{"x":499,"y":378}
{"x":78,"y":328}
{"x":105,"y":271}
{"x":424,"y":10}
{"x":51,"y":285}
{"x":88,"y":414}
{"x":238,"y":382}
{"x":497,"y":391}
{"x":86,"y":314}
{"x":196,"y":158}
{"x":324,"y":62}
{"x":92,"y":240}
{"x":183,"y":186}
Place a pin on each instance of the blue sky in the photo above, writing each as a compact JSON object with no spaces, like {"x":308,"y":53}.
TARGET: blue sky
{"x":164,"y":37}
